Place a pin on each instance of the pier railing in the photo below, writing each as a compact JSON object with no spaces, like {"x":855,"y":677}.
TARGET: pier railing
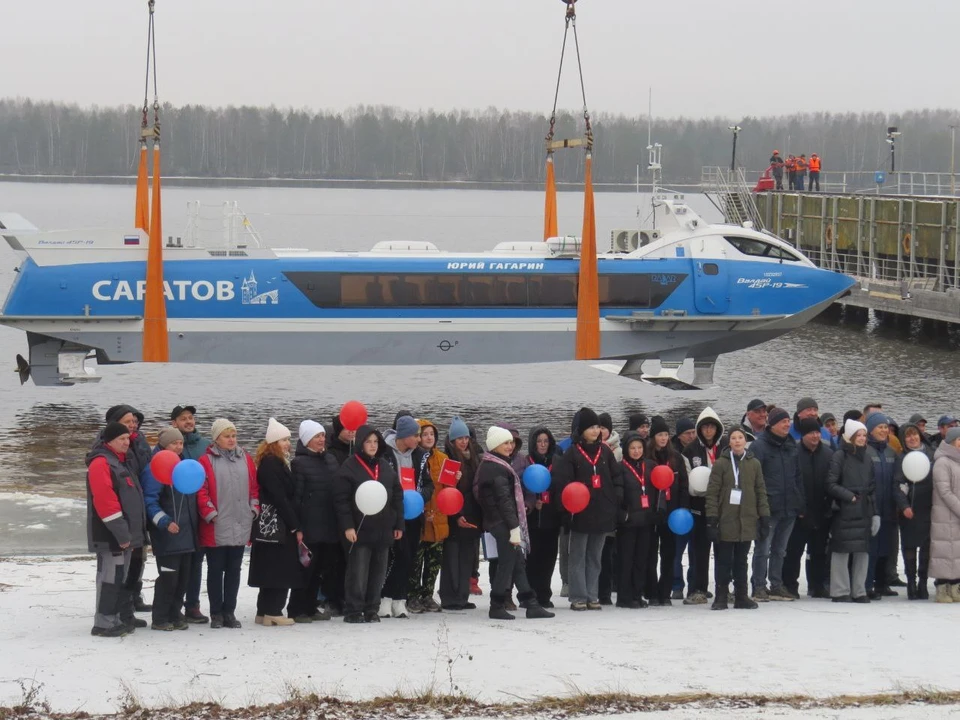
{"x":855,"y":182}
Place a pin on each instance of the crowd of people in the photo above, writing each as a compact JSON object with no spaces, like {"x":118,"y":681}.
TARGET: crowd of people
{"x":791,"y":486}
{"x":796,"y":169}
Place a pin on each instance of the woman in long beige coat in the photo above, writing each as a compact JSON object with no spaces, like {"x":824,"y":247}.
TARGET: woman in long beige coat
{"x":945,"y":521}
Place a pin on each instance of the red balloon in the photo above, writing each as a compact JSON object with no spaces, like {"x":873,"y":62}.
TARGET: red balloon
{"x":162,"y":466}
{"x":662,"y":477}
{"x":449,"y":501}
{"x":575,"y":497}
{"x":352,"y":415}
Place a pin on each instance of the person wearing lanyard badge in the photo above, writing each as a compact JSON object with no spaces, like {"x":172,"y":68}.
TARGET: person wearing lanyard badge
{"x":738,"y":513}
{"x":636,"y":523}
{"x":591,"y":463}
{"x":367,"y":537}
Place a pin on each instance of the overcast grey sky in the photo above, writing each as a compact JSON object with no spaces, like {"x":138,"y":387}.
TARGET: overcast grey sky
{"x":701,"y":57}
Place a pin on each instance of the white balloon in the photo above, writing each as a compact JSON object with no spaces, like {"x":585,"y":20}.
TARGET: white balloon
{"x":371,"y":497}
{"x":916,"y":466}
{"x":699,"y":479}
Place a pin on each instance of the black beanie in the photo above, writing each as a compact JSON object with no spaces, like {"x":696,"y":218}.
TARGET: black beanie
{"x":337,"y":426}
{"x":638,"y":419}
{"x":588,"y":418}
{"x":808,"y":425}
{"x":114,"y":430}
{"x":685,"y":424}
{"x":658,"y":425}
{"x":606,"y":421}
{"x":777,"y":415}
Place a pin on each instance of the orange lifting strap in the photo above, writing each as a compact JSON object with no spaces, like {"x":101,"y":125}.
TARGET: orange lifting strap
{"x":156,"y":346}
{"x":588,"y":302}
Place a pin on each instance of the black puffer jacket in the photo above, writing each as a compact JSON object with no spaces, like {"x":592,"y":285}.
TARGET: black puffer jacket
{"x":678,"y":494}
{"x":814,"y":469}
{"x":549,"y":515}
{"x":315,"y":476}
{"x":337,"y":447}
{"x":606,"y":502}
{"x":376,"y":529}
{"x":781,"y":474}
{"x":634,"y":514}
{"x":919,"y":496}
{"x":851,"y":476}
{"x":498,"y":500}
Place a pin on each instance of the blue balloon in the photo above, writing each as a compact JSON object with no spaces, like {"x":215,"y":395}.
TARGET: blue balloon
{"x":412,"y":504}
{"x":680,"y":521}
{"x":536,"y":479}
{"x":188,"y":476}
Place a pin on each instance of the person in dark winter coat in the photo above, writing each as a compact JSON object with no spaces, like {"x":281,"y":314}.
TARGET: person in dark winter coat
{"x":738,"y":513}
{"x":888,"y":475}
{"x":116,"y":527}
{"x":315,"y":472}
{"x":368,"y":537}
{"x":275,"y":565}
{"x":544,"y":519}
{"x":173,"y":534}
{"x":702,"y":452}
{"x":685,"y":434}
{"x":812,"y":532}
{"x":591,"y":463}
{"x":518,"y":461}
{"x":851,"y":485}
{"x":635,"y":525}
{"x":184,"y":419}
{"x":500,"y":493}
{"x":409,"y":462}
{"x":341,"y":445}
{"x":778,"y":455}
{"x":917,"y":502}
{"x":661,"y":451}
{"x":461,"y":549}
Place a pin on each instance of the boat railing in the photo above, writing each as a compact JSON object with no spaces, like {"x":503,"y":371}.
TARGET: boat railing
{"x":229,"y":228}
{"x":730,"y":193}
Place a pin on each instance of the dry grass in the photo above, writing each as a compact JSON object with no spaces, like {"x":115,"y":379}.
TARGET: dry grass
{"x":431,"y":705}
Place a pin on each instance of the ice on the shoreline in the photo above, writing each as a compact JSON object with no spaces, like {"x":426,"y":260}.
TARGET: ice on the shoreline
{"x":37,"y":526}
{"x":42,"y":502}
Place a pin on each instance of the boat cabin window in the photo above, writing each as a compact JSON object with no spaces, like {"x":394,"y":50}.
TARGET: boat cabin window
{"x":332,"y":290}
{"x":711,"y":269}
{"x":760,"y":248}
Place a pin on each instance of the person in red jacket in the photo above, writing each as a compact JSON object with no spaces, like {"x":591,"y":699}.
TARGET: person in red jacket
{"x":116,"y":527}
{"x":227,"y":504}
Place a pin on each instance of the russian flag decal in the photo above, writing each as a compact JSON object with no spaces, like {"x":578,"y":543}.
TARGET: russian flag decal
{"x":131,"y":239}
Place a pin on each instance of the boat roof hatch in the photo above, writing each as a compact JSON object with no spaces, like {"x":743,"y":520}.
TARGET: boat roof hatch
{"x":405,"y":246}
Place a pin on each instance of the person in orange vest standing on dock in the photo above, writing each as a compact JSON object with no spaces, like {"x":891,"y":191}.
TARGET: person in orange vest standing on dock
{"x":814,"y":171}
{"x":801,"y":171}
{"x":791,"y":172}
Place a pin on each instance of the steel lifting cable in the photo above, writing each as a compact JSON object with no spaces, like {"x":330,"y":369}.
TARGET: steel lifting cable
{"x":151,"y":64}
{"x":571,"y":20}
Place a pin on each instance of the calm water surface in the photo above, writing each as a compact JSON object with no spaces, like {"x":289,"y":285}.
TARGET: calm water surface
{"x":45,"y":432}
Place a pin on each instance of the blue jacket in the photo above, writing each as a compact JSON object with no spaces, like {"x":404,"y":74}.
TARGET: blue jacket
{"x":780,"y":460}
{"x":164,"y":505}
{"x":887,"y":474}
{"x":194,"y":446}
{"x":829,"y":439}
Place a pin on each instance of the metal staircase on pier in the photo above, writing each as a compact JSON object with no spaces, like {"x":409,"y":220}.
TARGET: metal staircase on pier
{"x":731,"y":195}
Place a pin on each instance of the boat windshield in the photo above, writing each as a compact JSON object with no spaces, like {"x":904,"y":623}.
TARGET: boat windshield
{"x":760,"y":248}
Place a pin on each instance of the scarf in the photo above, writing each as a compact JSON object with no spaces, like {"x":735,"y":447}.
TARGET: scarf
{"x":518,"y":498}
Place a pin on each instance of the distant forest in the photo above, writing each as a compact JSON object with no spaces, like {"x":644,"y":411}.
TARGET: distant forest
{"x":379,"y":143}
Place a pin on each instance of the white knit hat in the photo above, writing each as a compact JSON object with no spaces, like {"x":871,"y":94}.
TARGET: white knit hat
{"x":309,"y":429}
{"x":220,"y":425}
{"x":497,"y":436}
{"x":275,"y":432}
{"x":851,"y":428}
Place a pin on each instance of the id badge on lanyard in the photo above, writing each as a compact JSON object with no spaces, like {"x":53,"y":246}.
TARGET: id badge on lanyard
{"x":735,"y":493}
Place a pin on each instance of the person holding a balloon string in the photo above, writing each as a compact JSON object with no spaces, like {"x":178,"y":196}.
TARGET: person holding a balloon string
{"x":369,"y":502}
{"x":917,"y":504}
{"x":699,"y":457}
{"x":737,"y":511}
{"x":116,"y":527}
{"x":341,"y":444}
{"x":500,"y":493}
{"x":276,"y":567}
{"x":588,"y":471}
{"x":228,"y":502}
{"x":545,"y":513}
{"x":635,"y":526}
{"x":172,"y":514}
{"x":674,"y":495}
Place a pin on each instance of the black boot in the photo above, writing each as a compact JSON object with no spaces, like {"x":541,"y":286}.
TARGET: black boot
{"x":911,"y":588}
{"x":497,"y":610}
{"x":721,"y":599}
{"x":922,"y":593}
{"x":743,"y":602}
{"x":534,"y":610}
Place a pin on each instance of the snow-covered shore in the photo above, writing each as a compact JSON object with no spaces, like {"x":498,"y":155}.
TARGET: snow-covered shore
{"x":812,"y":648}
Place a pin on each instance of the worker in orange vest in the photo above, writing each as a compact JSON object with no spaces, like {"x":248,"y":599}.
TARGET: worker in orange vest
{"x":791,"y":172}
{"x":801,"y":171}
{"x":814,"y":171}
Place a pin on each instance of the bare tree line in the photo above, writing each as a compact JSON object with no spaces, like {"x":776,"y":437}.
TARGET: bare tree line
{"x":45,"y":138}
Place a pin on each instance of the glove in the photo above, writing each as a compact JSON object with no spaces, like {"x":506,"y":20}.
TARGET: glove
{"x":713,"y":529}
{"x":763,"y":528}
{"x":874,"y":525}
{"x":515,"y":536}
